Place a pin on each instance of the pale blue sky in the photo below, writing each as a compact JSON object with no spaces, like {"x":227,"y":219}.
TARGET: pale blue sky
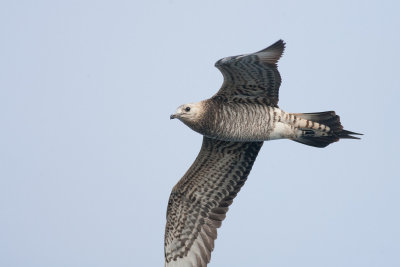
{"x":88,"y":155}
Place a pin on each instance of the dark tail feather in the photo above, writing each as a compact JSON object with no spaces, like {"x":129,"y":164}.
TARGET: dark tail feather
{"x":328,"y":118}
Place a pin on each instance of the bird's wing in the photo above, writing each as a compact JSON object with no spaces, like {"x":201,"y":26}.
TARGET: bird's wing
{"x":199,"y":201}
{"x":252,"y":77}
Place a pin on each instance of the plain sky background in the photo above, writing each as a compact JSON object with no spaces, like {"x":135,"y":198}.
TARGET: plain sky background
{"x":88,"y":155}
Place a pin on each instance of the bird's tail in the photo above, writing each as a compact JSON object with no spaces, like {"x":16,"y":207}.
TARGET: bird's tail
{"x":321,"y":129}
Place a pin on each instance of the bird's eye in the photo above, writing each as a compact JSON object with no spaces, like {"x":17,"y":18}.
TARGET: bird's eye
{"x":187,"y":109}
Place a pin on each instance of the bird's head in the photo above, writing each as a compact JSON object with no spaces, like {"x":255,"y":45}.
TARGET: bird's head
{"x":189,"y":113}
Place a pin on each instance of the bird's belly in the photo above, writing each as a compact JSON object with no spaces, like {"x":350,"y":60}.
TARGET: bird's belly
{"x":281,"y":130}
{"x":250,"y":125}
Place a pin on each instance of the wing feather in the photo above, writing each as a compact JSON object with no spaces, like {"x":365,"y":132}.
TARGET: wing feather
{"x":252,"y":77}
{"x":199,"y":201}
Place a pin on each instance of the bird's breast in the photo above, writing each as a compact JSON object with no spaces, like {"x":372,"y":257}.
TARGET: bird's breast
{"x":241,"y":122}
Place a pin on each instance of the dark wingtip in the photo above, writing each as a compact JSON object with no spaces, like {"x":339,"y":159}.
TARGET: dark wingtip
{"x":272,"y":53}
{"x":278,"y":45}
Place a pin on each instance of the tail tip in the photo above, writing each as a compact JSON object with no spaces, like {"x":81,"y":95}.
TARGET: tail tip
{"x":345,"y":134}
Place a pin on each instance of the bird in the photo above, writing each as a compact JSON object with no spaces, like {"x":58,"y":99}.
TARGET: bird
{"x":234,"y":123}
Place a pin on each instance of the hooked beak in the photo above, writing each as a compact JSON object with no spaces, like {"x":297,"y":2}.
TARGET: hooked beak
{"x":173,"y":116}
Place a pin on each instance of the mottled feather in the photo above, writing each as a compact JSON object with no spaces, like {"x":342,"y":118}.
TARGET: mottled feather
{"x":199,"y":201}
{"x":234,"y":122}
{"x":252,"y":77}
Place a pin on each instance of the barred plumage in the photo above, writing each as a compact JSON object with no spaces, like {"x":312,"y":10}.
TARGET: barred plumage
{"x":200,"y":200}
{"x":234,"y":123}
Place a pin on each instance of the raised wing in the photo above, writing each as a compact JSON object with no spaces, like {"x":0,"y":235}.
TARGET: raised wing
{"x":199,"y":202}
{"x":252,"y":77}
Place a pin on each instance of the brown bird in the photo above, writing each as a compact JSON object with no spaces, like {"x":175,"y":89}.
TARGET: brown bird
{"x":234,"y":123}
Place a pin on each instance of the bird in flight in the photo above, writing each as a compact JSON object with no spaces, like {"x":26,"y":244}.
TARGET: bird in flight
{"x":234,"y":123}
